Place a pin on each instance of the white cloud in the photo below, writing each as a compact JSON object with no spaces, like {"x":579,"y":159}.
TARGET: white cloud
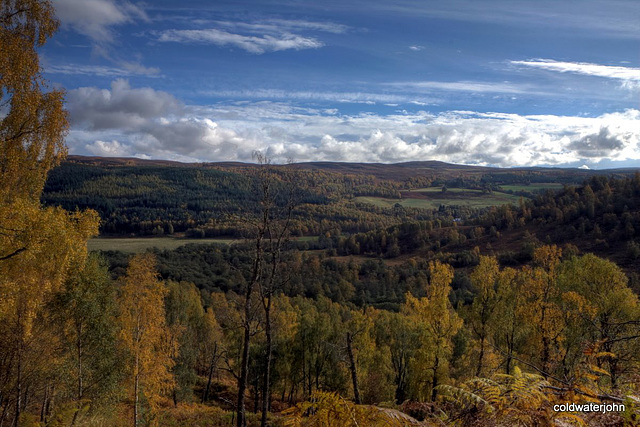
{"x":345,"y":97}
{"x":281,"y":25}
{"x":94,"y":18}
{"x":101,"y":70}
{"x":328,"y":27}
{"x":97,"y":19}
{"x":109,"y":149}
{"x":142,"y":121}
{"x":611,"y":18}
{"x":466,"y":86}
{"x":122,"y":107}
{"x":252,"y":44}
{"x":627,"y":74}
{"x":416,"y":48}
{"x":267,"y":35}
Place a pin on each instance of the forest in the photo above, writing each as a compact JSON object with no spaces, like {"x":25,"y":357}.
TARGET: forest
{"x":456,"y":315}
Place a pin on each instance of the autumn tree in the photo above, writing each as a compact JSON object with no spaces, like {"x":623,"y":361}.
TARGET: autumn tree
{"x":481,"y":316}
{"x":84,"y":312}
{"x":397,"y":338}
{"x":33,"y":123}
{"x":438,"y":323}
{"x":542,"y":310}
{"x":38,"y":247}
{"x":210,"y":349}
{"x":607,"y":312}
{"x":186,"y":320}
{"x":145,"y":335}
{"x":510,"y":326}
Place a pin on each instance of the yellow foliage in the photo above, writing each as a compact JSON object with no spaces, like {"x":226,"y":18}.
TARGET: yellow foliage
{"x":503,"y":400}
{"x":437,"y":323}
{"x":144,"y":331}
{"x":330,"y":410}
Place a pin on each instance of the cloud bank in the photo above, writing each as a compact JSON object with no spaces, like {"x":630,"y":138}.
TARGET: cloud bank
{"x":126,"y":121}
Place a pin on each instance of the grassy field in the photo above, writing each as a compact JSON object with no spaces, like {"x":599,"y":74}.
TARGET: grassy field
{"x":141,"y":244}
{"x":473,"y":198}
{"x":478,"y":202}
{"x":533,"y":187}
{"x":438,"y":190}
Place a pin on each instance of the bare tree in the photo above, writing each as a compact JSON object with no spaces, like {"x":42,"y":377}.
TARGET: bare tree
{"x":270,"y":236}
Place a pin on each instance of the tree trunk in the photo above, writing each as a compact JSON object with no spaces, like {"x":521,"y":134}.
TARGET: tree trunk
{"x":434,"y":390}
{"x":267,"y":370}
{"x":256,"y":394}
{"x":212,"y":366}
{"x":136,"y":391}
{"x":80,"y":388}
{"x":5,"y":408}
{"x":480,"y":356}
{"x":16,"y":419}
{"x":244,"y":366}
{"x":510,"y":348}
{"x":43,"y":408}
{"x":353,"y":368}
{"x":79,"y":348}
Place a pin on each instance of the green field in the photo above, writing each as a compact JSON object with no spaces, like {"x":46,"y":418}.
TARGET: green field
{"x":449,"y":190}
{"x":141,"y":244}
{"x":477,"y":201}
{"x":533,"y":187}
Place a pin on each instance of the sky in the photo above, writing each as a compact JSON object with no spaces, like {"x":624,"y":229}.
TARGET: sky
{"x":505,"y":83}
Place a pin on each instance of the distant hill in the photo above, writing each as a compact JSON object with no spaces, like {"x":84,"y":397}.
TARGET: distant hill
{"x":158,"y":197}
{"x":388,"y":171}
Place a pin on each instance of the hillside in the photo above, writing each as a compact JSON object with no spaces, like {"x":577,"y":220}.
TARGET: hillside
{"x":151,"y":197}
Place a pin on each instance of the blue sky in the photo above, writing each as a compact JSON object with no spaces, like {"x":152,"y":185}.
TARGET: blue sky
{"x":486,"y":82}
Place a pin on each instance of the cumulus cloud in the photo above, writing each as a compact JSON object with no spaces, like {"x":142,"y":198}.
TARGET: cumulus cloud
{"x":109,"y":149}
{"x":250,"y":43}
{"x":600,"y":144}
{"x":94,"y":18}
{"x":144,"y":122}
{"x":122,"y":107}
{"x":626,"y":74}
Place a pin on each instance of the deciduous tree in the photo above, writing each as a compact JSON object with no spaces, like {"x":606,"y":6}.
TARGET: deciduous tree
{"x":145,"y":335}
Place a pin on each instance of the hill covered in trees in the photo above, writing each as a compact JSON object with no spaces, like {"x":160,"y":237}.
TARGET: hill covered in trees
{"x":143,"y":197}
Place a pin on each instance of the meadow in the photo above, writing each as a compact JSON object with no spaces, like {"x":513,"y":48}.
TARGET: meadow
{"x":137,"y":245}
{"x":434,"y":197}
{"x":141,"y":244}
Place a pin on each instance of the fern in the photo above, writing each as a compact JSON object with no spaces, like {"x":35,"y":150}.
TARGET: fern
{"x":330,"y":409}
{"x":504,"y":400}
